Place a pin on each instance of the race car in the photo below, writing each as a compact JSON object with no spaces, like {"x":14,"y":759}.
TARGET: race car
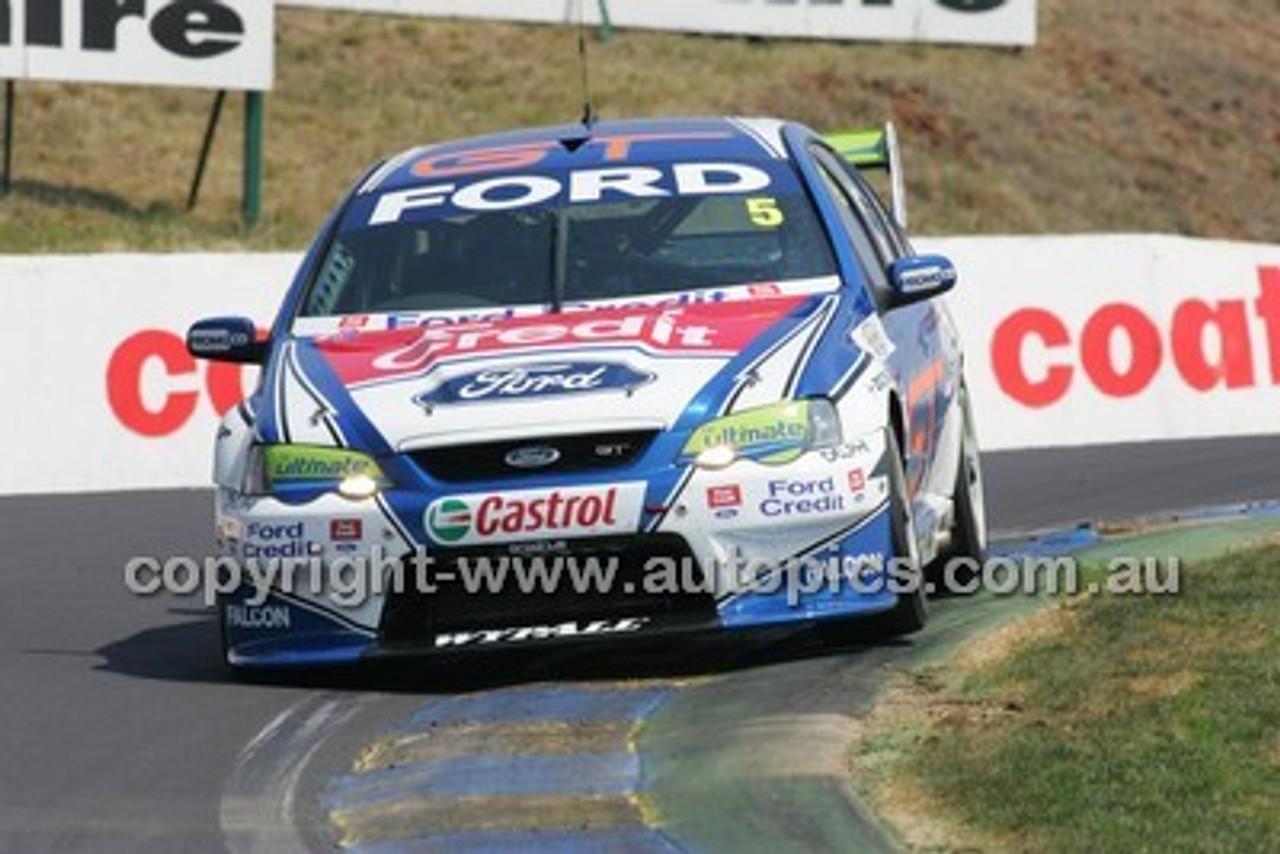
{"x":591,"y":382}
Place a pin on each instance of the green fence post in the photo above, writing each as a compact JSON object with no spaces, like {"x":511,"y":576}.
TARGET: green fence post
{"x":606,"y":23}
{"x":10,"y":100}
{"x":254,"y":108}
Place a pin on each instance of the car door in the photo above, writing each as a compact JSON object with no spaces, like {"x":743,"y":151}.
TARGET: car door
{"x":920,"y":364}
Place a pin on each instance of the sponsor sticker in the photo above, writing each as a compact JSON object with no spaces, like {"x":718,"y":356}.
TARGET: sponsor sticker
{"x":720,"y":497}
{"x":275,"y":540}
{"x":229,"y":528}
{"x":788,"y":497}
{"x":343,"y":327}
{"x":704,"y":330}
{"x":843,"y":492}
{"x":860,"y":450}
{"x":556,"y":631}
{"x":290,"y":463}
{"x":580,"y":186}
{"x":535,"y":514}
{"x":773,"y":435}
{"x":265,"y":618}
{"x":346,"y":530}
{"x":871,"y":336}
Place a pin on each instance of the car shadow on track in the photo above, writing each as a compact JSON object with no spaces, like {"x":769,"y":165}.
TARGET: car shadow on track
{"x":184,"y":652}
{"x":188,"y":652}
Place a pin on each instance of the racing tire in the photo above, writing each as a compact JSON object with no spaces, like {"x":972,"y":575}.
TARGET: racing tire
{"x":969,"y":526}
{"x":911,"y":611}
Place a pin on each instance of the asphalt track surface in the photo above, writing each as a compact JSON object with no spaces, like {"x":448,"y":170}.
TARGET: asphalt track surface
{"x":121,"y":732}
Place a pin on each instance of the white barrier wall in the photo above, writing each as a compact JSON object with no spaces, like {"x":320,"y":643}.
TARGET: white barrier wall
{"x":1121,"y":338}
{"x":989,"y":22}
{"x":101,"y":390}
{"x":1071,"y":340}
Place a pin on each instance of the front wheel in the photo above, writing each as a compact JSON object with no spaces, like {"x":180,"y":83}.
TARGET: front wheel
{"x":968,"y":548}
{"x":910,"y":612}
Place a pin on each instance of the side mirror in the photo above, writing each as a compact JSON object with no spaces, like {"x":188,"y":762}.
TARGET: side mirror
{"x":227,"y":339}
{"x":920,"y":278}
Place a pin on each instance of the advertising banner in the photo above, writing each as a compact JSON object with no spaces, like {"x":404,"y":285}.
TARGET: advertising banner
{"x":987,"y":22}
{"x":214,"y":44}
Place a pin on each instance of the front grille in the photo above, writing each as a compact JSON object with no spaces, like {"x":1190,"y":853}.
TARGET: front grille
{"x":572,"y":455}
{"x":414,"y":616}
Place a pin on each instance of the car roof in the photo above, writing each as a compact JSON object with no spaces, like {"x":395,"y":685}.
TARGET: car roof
{"x":618,"y":141}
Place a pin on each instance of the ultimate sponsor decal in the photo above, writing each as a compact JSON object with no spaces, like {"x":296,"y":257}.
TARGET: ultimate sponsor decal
{"x":286,"y":463}
{"x":774,"y":435}
{"x":572,"y":629}
{"x":535,"y":514}
{"x":705,"y":330}
{"x":525,"y":382}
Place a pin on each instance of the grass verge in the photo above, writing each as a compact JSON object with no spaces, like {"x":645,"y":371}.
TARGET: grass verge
{"x":1102,"y":724}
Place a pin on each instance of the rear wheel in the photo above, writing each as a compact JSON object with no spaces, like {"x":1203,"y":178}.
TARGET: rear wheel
{"x":910,"y":612}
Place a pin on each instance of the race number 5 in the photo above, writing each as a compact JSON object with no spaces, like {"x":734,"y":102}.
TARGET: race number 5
{"x":765,"y":212}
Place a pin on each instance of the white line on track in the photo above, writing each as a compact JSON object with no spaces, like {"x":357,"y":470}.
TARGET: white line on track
{"x":259,"y":809}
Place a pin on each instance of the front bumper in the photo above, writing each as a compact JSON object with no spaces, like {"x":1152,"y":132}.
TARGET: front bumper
{"x":336,"y":580}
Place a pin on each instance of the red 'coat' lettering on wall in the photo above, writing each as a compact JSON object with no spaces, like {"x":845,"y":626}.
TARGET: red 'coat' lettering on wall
{"x":153,"y":350}
{"x":1122,"y":348}
{"x":1007,"y":349}
{"x":1139,"y":332}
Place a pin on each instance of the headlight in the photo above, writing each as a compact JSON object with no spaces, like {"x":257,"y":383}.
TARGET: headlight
{"x":773,"y":435}
{"x":306,"y":470}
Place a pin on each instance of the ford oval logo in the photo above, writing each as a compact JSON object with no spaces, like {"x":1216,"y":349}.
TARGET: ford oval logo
{"x":530,"y":382}
{"x":532,"y":457}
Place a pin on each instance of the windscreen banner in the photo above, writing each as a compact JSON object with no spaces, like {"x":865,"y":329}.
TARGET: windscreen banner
{"x":980,"y":22}
{"x":213,"y":44}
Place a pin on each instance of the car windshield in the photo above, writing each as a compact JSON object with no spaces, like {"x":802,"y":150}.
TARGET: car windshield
{"x":556,"y":238}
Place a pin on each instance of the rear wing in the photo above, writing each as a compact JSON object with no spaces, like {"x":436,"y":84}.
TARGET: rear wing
{"x":872,"y":150}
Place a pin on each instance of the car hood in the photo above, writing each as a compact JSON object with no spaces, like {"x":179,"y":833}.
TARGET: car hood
{"x":450,"y":382}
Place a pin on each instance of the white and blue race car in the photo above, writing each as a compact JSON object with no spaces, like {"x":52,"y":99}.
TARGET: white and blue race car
{"x":589,"y":382}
